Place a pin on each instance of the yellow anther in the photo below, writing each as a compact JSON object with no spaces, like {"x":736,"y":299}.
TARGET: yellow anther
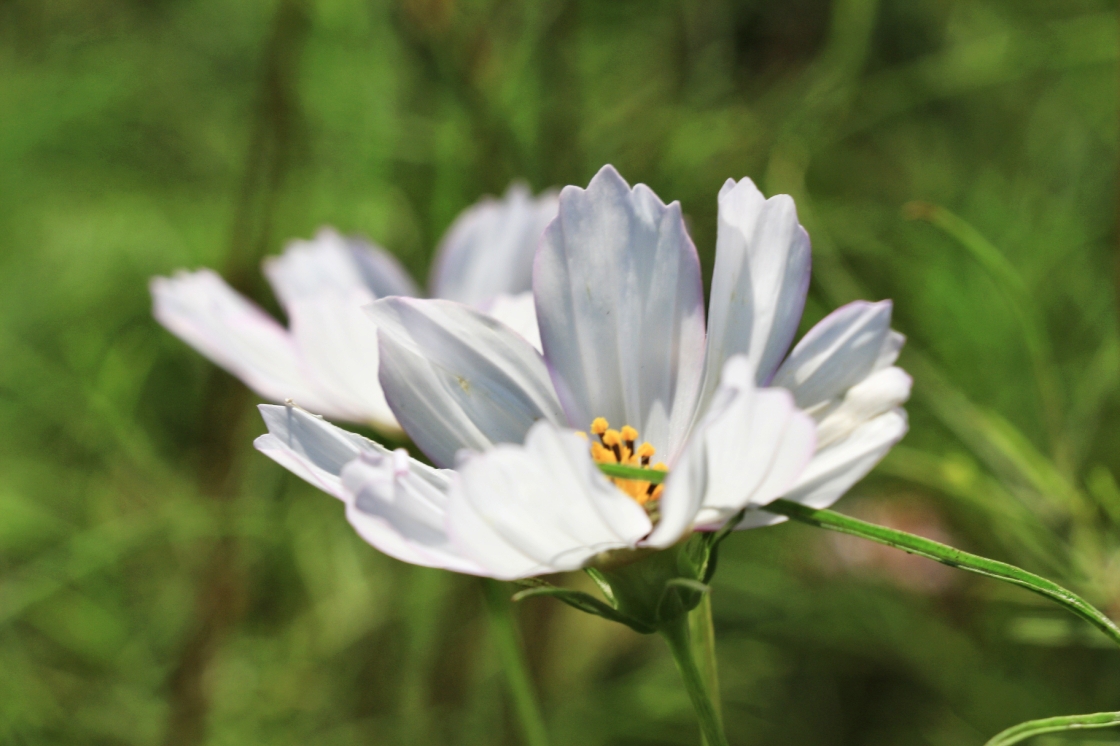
{"x":620,"y":447}
{"x":581,"y":434}
{"x":602,"y":454}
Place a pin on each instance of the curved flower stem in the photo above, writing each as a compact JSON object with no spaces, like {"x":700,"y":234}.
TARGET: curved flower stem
{"x":1023,"y":731}
{"x":703,"y":639}
{"x":676,"y":634}
{"x":948,"y":556}
{"x":513,"y":663}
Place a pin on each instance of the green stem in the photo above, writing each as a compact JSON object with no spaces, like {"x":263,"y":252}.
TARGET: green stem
{"x":513,"y":663}
{"x":1023,"y":731}
{"x":676,"y":634}
{"x":949,"y":556}
{"x":703,"y":636}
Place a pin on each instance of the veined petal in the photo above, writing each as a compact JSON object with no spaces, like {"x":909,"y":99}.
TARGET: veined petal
{"x":338,"y":343}
{"x":310,"y":447}
{"x":331,"y":264}
{"x":747,"y":451}
{"x":399,"y":506}
{"x":759,"y":283}
{"x":456,"y":378}
{"x":489,"y":249}
{"x":839,"y":352}
{"x":395,"y":503}
{"x":206,"y":313}
{"x":620,"y":308}
{"x":518,"y":312}
{"x":880,"y":392}
{"x":835,"y":468}
{"x":541,"y":507}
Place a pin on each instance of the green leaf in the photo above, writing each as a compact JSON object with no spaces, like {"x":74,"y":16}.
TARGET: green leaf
{"x":1023,"y":731}
{"x":948,"y":556}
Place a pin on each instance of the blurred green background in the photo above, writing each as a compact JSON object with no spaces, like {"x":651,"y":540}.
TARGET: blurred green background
{"x":162,"y":583}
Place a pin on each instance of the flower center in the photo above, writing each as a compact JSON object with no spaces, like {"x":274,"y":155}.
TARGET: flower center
{"x":621,"y":447}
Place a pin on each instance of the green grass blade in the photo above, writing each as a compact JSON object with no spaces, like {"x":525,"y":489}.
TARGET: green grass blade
{"x":1023,"y":731}
{"x":949,"y":556}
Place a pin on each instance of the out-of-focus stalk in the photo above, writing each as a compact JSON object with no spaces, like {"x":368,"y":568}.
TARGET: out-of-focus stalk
{"x":512,"y":658}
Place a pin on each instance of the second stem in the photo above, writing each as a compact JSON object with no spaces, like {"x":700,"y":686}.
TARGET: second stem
{"x":676,"y":633}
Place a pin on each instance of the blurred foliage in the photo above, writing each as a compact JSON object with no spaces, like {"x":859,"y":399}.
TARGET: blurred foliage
{"x":160,"y":582}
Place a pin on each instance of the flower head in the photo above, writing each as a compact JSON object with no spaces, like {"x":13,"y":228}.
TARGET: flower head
{"x":629,"y":374}
{"x":327,"y":358}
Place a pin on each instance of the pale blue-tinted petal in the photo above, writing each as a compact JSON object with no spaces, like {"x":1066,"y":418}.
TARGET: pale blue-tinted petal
{"x":206,"y":313}
{"x":518,"y":312}
{"x":456,"y":378}
{"x":399,"y":506}
{"x":748,"y":450}
{"x":310,"y":447}
{"x":489,"y":249}
{"x":337,"y":341}
{"x":541,"y":507}
{"x":759,"y":283}
{"x":331,"y":264}
{"x":835,"y":468}
{"x":880,"y":392}
{"x":837,"y":353}
{"x":620,"y":308}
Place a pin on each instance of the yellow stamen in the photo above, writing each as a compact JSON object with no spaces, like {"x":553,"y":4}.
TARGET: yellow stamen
{"x":581,"y":434}
{"x":621,"y":447}
{"x":602,"y":454}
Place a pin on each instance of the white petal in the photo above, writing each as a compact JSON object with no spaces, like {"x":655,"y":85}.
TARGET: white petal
{"x":206,"y":313}
{"x":620,"y":307}
{"x":338,"y":343}
{"x":880,"y":392}
{"x":836,"y":468}
{"x":489,"y":249}
{"x":399,"y":506}
{"x":518,"y":312}
{"x":839,"y":352}
{"x":748,"y":450}
{"x":456,"y":378}
{"x":538,"y":508}
{"x":310,"y":447}
{"x":759,"y":283}
{"x":331,"y":264}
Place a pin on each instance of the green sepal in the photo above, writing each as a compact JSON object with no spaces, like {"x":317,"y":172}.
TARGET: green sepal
{"x":587,"y":603}
{"x":601,"y":581}
{"x":645,"y":589}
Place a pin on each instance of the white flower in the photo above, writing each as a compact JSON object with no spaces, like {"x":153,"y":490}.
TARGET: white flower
{"x":618,"y":294}
{"x":327,"y":359}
